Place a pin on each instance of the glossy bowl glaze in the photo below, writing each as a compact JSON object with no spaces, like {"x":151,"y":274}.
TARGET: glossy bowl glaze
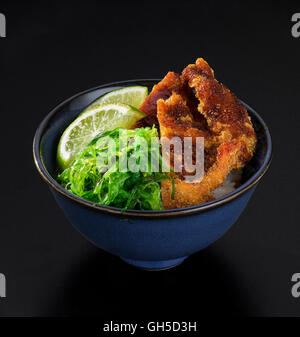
{"x":147,"y":239}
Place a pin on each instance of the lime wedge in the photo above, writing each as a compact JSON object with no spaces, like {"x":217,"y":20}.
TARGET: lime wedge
{"x":89,"y":124}
{"x":133,"y":96}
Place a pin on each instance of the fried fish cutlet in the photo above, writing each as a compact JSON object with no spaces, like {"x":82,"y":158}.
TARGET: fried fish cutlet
{"x":176,"y":120}
{"x":229,"y":136}
{"x":226,"y":116}
{"x":163,"y":90}
{"x":189,"y":194}
{"x":172,"y":82}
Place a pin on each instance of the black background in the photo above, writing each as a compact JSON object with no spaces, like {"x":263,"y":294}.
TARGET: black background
{"x":54,"y":50}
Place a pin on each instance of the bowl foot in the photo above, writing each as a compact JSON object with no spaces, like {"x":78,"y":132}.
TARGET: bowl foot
{"x":155,"y":265}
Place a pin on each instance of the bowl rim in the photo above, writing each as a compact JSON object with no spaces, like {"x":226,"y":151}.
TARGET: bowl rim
{"x":143,"y":213}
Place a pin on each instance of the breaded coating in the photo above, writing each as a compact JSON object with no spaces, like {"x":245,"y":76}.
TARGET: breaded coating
{"x":163,"y":90}
{"x":189,"y":194}
{"x":226,"y":116}
{"x":176,"y":120}
{"x":229,"y":136}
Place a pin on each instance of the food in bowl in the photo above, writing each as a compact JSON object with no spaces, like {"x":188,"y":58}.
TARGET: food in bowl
{"x":147,"y":239}
{"x":191,"y":105}
{"x":94,"y":177}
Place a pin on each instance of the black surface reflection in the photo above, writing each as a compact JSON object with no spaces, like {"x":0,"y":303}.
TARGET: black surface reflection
{"x":103,"y":285}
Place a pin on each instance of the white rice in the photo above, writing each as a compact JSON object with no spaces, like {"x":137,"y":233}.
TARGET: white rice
{"x":232,"y":182}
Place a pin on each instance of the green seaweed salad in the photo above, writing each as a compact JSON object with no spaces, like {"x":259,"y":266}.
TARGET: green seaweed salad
{"x":116,"y":169}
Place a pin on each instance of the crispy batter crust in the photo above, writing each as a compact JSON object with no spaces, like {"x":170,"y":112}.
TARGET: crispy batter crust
{"x":172,"y":82}
{"x":225,"y":114}
{"x":163,"y":90}
{"x":230,"y":139}
{"x":176,"y":120}
{"x":189,"y":194}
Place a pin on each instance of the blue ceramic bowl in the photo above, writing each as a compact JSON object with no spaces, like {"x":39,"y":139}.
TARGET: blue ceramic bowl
{"x":147,"y":239}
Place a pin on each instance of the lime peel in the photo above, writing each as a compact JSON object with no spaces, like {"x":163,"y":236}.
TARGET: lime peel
{"x":89,"y":124}
{"x":134,"y":96}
